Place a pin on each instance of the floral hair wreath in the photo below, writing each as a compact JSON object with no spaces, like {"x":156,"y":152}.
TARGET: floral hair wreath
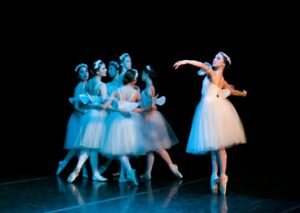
{"x":77,"y":68}
{"x":123,"y":56}
{"x":97,"y":64}
{"x":226,"y":57}
{"x":148,"y":68}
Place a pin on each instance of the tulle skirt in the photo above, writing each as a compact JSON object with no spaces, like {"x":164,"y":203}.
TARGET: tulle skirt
{"x":216,"y":125}
{"x":92,"y":129}
{"x":124,"y":135}
{"x":159,"y":133}
{"x":73,"y":128}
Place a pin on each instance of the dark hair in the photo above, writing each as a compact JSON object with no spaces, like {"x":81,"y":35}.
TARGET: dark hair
{"x":115,"y":65}
{"x":79,"y":66}
{"x":123,"y":56}
{"x":129,"y":76}
{"x":226,"y":60}
{"x":149,"y":71}
{"x":97,"y":65}
{"x":227,"y":64}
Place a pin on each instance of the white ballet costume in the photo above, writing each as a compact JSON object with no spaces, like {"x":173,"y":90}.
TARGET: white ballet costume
{"x":75,"y":120}
{"x":216,"y":124}
{"x":159,"y":133}
{"x":93,"y":121}
{"x":124,"y":134}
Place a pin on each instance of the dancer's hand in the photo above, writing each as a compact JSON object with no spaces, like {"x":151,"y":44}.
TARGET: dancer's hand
{"x":245,"y":93}
{"x":179,"y":63}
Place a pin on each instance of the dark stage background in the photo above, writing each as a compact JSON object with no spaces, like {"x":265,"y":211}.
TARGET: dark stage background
{"x":40,"y":59}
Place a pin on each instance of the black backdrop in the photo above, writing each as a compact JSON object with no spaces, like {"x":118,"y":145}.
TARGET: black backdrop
{"x":41,"y":56}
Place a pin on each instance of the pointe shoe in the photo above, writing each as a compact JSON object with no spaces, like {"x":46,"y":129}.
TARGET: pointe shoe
{"x":85,"y":173}
{"x":73,"y":175}
{"x":61,"y":166}
{"x":98,"y":177}
{"x":174,"y":169}
{"x":146,"y":176}
{"x":214,"y":184}
{"x":223,"y":184}
{"x":132,"y":177}
{"x":123,"y":180}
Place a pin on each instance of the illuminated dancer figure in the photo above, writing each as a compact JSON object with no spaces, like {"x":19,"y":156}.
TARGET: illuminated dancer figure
{"x":114,"y":69}
{"x":124,"y":136}
{"x":216,"y":124}
{"x":93,"y":123}
{"x":159,"y":133}
{"x":74,"y":121}
{"x":114,"y":73}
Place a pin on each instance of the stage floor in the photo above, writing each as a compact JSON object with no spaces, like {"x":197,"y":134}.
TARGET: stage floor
{"x":247,"y":192}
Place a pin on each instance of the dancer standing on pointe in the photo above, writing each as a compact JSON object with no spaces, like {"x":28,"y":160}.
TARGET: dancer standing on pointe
{"x":159,"y":133}
{"x":216,"y":124}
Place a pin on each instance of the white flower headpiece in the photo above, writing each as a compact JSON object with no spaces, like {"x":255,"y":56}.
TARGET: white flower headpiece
{"x":97,"y":64}
{"x":79,"y":66}
{"x":227,"y":57}
{"x":123,"y":56}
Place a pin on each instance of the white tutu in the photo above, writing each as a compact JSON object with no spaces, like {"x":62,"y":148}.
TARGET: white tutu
{"x":92,"y":129}
{"x":73,"y":128}
{"x":124,"y":135}
{"x":75,"y":120}
{"x":158,"y":131}
{"x":216,"y":123}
